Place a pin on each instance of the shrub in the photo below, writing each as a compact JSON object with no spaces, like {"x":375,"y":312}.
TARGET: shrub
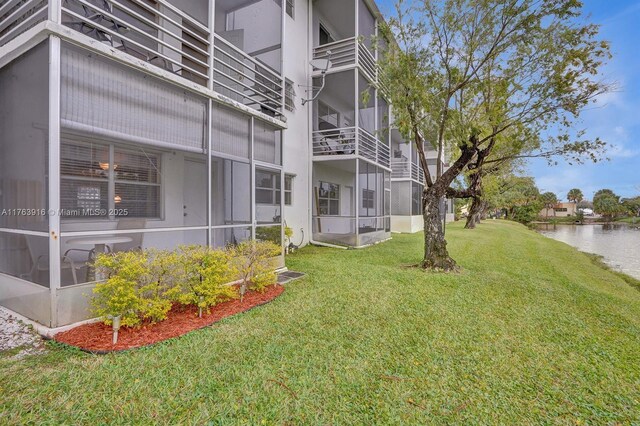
{"x":118,"y":295}
{"x":159,"y":289}
{"x":144,"y":285}
{"x":255,"y":264}
{"x":205,"y":275}
{"x":269,"y":233}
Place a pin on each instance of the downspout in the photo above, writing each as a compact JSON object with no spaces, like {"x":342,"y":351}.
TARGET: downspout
{"x":309,"y":122}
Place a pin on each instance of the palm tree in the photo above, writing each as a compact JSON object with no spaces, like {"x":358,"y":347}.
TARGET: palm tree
{"x":575,"y":196}
{"x":550,"y":201}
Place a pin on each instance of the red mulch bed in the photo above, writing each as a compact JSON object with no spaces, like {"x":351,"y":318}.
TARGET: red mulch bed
{"x":97,"y":337}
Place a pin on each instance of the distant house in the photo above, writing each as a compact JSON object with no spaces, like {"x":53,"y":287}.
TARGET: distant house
{"x":560,"y":210}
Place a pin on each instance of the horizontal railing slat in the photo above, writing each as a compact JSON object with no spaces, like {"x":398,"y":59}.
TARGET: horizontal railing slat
{"x":135,"y":43}
{"x":130,"y":27}
{"x":358,"y":140}
{"x":38,"y":16}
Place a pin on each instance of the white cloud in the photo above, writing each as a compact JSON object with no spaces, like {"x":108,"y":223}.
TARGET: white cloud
{"x":618,"y":144}
{"x":560,"y":181}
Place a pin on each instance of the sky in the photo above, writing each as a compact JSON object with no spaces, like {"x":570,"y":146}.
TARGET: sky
{"x":615,"y":117}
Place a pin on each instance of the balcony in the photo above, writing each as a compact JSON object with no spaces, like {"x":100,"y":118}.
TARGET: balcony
{"x":158,"y":33}
{"x":173,"y":36}
{"x":402,"y":168}
{"x":245,"y":79}
{"x":349,"y":52}
{"x":349,"y":142}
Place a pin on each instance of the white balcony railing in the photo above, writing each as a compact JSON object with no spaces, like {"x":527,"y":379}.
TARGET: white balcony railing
{"x":350,"y":141}
{"x":17,"y":16}
{"x":402,"y":168}
{"x":246,"y":79}
{"x":349,"y":51}
{"x":158,"y":33}
{"x":163,"y":35}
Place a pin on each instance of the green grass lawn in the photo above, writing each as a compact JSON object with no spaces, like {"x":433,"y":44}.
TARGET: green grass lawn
{"x":632,"y":220}
{"x":531,"y":331}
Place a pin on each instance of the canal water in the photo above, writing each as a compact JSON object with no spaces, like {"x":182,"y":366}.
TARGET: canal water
{"x":618,"y":244}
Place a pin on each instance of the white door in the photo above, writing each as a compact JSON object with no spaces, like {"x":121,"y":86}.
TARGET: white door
{"x":195,"y":193}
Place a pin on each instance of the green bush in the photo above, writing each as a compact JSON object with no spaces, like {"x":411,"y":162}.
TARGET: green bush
{"x":144,"y":285}
{"x":159,"y":288}
{"x":119,"y":294}
{"x":205,"y":276}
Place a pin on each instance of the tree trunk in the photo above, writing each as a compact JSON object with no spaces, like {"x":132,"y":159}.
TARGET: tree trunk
{"x":475,"y":213}
{"x":436,"y":255}
{"x":476,"y":189}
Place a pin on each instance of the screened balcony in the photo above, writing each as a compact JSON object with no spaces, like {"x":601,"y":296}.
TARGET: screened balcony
{"x":241,"y":59}
{"x":344,"y":32}
{"x":351,"y":203}
{"x":127,"y":162}
{"x":346,"y":125}
{"x":404,"y":159}
{"x":248,"y":53}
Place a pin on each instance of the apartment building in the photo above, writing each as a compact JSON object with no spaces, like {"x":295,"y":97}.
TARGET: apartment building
{"x":129,"y":124}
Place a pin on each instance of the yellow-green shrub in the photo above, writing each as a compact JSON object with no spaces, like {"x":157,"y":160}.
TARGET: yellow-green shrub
{"x":118,"y":295}
{"x":143,"y":285}
{"x":159,"y":289}
{"x":205,"y":275}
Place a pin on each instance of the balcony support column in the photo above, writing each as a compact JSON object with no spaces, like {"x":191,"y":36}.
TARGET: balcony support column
{"x":55,"y":11}
{"x":356,"y":114}
{"x":212,"y":23}
{"x":54,"y":176}
{"x":209,"y":174}
{"x":252,"y":183}
{"x":357,"y":201}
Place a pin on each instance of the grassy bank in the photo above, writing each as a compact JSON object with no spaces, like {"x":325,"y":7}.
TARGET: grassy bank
{"x":531,"y":331}
{"x":631,"y":220}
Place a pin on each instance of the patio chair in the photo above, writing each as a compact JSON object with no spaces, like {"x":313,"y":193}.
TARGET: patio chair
{"x":334,"y":140}
{"x":39,"y":252}
{"x":99,"y":19}
{"x":136,"y":238}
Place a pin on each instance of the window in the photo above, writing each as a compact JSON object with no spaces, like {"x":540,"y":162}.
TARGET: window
{"x":368,"y":198}
{"x":267,"y":187}
{"x":267,"y":196}
{"x":137,"y":186}
{"x":96,"y":178}
{"x":329,"y":199}
{"x":288,"y":189}
{"x":325,"y":37}
{"x":561,"y":209}
{"x":289,"y":95}
{"x":327,"y":117}
{"x":290,"y":8}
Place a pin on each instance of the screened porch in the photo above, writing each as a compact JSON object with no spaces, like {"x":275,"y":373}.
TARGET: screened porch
{"x":96,"y":157}
{"x":351,"y":203}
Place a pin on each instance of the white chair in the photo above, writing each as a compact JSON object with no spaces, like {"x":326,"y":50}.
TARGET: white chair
{"x":39,"y":252}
